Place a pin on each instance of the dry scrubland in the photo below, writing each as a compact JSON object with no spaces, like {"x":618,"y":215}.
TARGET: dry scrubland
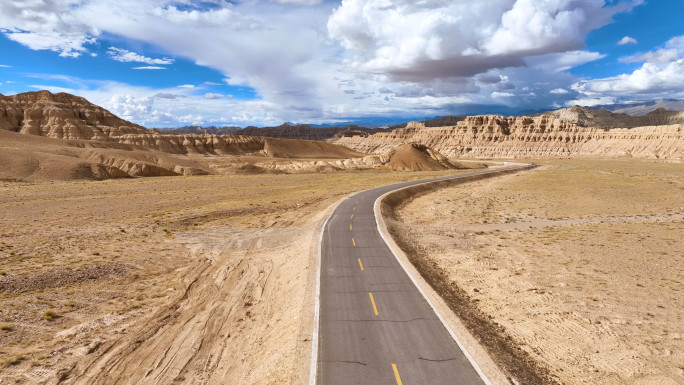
{"x":204,"y":279}
{"x":580,"y":262}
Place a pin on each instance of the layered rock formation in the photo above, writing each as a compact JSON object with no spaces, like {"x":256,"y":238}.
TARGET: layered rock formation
{"x":61,"y":116}
{"x":492,"y":136}
{"x":120,"y":148}
{"x":203,"y":144}
{"x":409,"y":157}
{"x":30,"y":157}
{"x":236,"y":145}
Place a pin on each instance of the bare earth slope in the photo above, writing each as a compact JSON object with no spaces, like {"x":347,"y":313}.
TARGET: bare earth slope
{"x":30,"y":157}
{"x":520,"y":137}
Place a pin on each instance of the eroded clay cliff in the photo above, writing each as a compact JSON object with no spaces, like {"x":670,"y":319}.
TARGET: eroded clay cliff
{"x":61,"y":116}
{"x":546,"y":135}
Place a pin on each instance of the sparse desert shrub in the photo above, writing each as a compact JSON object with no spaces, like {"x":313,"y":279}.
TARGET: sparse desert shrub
{"x":49,"y":315}
{"x":70,"y":304}
{"x":6,"y":327}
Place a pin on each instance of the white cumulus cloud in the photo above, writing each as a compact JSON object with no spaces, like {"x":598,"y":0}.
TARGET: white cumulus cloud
{"x":323,"y":60}
{"x":650,"y":78}
{"x":47,"y":25}
{"x":662,"y":72}
{"x":130,"y":107}
{"x":298,"y":2}
{"x":213,"y":17}
{"x":627,"y":40}
{"x":592,"y":101}
{"x":149,"y":68}
{"x":411,"y":40}
{"x":126,"y":56}
{"x":211,"y":95}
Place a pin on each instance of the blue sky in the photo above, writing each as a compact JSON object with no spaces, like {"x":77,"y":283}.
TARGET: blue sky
{"x":165,"y":63}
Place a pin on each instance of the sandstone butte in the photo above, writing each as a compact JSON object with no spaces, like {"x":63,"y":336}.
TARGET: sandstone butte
{"x":65,"y":116}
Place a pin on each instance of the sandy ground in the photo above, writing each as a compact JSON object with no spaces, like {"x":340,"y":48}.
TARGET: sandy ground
{"x":205,"y":279}
{"x":581,"y":263}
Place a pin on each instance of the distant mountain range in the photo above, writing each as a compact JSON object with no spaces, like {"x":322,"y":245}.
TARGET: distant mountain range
{"x":285,"y":130}
{"x":306,"y":131}
{"x":657,"y":112}
{"x":87,"y":121}
{"x":589,"y":117}
{"x":644,"y":108}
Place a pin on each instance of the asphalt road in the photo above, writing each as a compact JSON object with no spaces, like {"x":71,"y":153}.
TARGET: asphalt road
{"x":375,"y":326}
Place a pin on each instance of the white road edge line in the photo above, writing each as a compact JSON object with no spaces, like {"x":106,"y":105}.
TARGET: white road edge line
{"x":376,"y":210}
{"x":313,"y":369}
{"x":378,"y":214}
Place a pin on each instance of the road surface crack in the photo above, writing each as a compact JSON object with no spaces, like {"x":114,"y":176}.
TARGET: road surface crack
{"x":352,"y":362}
{"x":432,"y":360}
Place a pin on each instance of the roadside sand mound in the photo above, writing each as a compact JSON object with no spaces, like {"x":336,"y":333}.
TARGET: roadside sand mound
{"x":296,"y":148}
{"x":418,"y":157}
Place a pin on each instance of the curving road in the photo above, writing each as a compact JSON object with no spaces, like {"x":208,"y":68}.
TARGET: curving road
{"x":373,"y":324}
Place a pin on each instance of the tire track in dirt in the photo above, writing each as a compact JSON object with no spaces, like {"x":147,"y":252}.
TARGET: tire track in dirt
{"x":207,"y":334}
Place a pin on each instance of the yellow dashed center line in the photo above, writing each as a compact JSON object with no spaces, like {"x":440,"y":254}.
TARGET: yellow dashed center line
{"x":360,"y":264}
{"x":375,"y":309}
{"x":352,"y":216}
{"x":396,"y":374}
{"x":353,"y":241}
{"x":350,"y":226}
{"x":354,"y":209}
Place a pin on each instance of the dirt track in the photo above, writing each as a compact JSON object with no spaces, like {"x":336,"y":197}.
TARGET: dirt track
{"x":231,"y":305}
